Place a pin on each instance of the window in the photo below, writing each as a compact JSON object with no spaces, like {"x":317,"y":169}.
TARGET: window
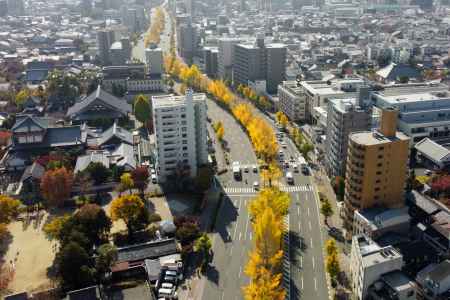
{"x":184,"y":129}
{"x":379,"y":165}
{"x":184,"y":142}
{"x":184,"y":148}
{"x":183,"y":122}
{"x":184,"y":135}
{"x":183,"y":116}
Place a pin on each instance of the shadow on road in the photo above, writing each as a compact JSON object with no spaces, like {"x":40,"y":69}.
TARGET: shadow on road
{"x":295,"y":291}
{"x":297,"y":243}
{"x":226,"y":214}
{"x":212,"y":274}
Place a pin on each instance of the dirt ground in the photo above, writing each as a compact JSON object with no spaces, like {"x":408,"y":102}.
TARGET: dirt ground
{"x":30,"y":254}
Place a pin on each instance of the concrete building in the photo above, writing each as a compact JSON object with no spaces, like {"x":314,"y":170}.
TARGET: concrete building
{"x":154,"y":60}
{"x":376,"y":221}
{"x":344,"y":116}
{"x":120,"y":52}
{"x":377,"y":166}
{"x":226,"y":56}
{"x":394,"y":285}
{"x":16,"y":7}
{"x":187,"y":41}
{"x":291,"y":100}
{"x":435,"y":280}
{"x":424,"y":109}
{"x":105,"y":38}
{"x":318,"y":92}
{"x":210,"y":58}
{"x":254,"y":62}
{"x":180,"y":134}
{"x":369,"y":262}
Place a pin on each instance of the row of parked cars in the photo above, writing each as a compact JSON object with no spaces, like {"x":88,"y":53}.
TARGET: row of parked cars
{"x":167,"y":284}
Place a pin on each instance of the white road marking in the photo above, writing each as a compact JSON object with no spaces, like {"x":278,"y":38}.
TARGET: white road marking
{"x":302,"y":282}
{"x":311,"y":243}
{"x":299,"y":226}
{"x":240,"y":234}
{"x":240,"y":271}
{"x":301,"y":261}
{"x":315,"y":283}
{"x":313,"y":262}
{"x":246,"y":227}
{"x":308,"y":211}
{"x":251,"y":235}
{"x":223,"y":294}
{"x":298,"y":210}
{"x":231,"y":252}
{"x":310,"y":227}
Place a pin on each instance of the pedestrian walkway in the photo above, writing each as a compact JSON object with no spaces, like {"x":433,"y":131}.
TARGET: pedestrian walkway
{"x":284,"y":188}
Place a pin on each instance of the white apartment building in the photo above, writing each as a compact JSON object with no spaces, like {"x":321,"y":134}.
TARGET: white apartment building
{"x":291,"y":100}
{"x":180,"y":134}
{"x":368,"y":262}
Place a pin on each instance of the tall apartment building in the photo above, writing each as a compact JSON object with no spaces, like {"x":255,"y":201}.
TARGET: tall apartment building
{"x":254,"y":62}
{"x":16,"y":7}
{"x":291,"y":100}
{"x":210,"y":59}
{"x":187,"y":41}
{"x":369,"y":262}
{"x":344,"y":116}
{"x":226,"y":56}
{"x":180,"y":134}
{"x":377,"y":165}
{"x":105,"y":38}
{"x":154,"y":60}
{"x":424,"y":109}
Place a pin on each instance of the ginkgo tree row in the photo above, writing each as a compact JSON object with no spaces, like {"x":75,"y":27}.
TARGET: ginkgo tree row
{"x":260,"y":132}
{"x":153,"y":35}
{"x":264,"y":267}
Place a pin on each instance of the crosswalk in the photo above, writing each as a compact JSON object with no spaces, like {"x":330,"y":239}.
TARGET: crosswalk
{"x":285,"y":188}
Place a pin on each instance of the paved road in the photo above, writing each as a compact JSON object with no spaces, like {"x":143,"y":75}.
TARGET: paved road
{"x":234,"y":239}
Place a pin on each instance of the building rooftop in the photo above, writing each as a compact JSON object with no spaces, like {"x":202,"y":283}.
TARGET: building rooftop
{"x":172,"y":100}
{"x":371,"y":138}
{"x":372,"y":253}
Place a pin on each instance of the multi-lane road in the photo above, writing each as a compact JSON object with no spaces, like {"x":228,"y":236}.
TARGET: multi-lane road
{"x":234,"y":239}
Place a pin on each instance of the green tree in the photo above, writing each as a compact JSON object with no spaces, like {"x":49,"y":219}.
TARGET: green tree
{"x":305,"y":149}
{"x":107,"y":257}
{"x":92,"y":221}
{"x":203,"y":247}
{"x":73,"y":266}
{"x":326,"y":210}
{"x":142,"y":109}
{"x":98,"y":172}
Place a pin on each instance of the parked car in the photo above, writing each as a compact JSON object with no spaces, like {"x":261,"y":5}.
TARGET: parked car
{"x":336,"y":233}
{"x":289,"y":178}
{"x":255,"y":169}
{"x":256,"y":185}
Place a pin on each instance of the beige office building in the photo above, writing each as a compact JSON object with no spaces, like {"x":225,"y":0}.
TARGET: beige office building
{"x":377,"y":165}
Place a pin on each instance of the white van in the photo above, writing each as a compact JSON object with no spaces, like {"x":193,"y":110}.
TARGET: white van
{"x":165,"y":292}
{"x":167,"y":285}
{"x":171,"y":273}
{"x":289,"y":178}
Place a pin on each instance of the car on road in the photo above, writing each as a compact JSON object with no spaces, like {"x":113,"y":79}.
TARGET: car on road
{"x":154,"y":179}
{"x":255,"y":169}
{"x":283,"y":145}
{"x":427,"y":172}
{"x":246,"y":169}
{"x":286,"y":164}
{"x":295,"y":167}
{"x":336,"y":233}
{"x":289,"y":178}
{"x":256,"y":185}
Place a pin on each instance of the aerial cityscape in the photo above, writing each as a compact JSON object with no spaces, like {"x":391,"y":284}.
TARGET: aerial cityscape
{"x":225,"y":149}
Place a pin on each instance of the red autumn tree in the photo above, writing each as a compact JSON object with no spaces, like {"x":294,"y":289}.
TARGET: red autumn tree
{"x":441,"y":185}
{"x":56,"y":185}
{"x":140,"y":177}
